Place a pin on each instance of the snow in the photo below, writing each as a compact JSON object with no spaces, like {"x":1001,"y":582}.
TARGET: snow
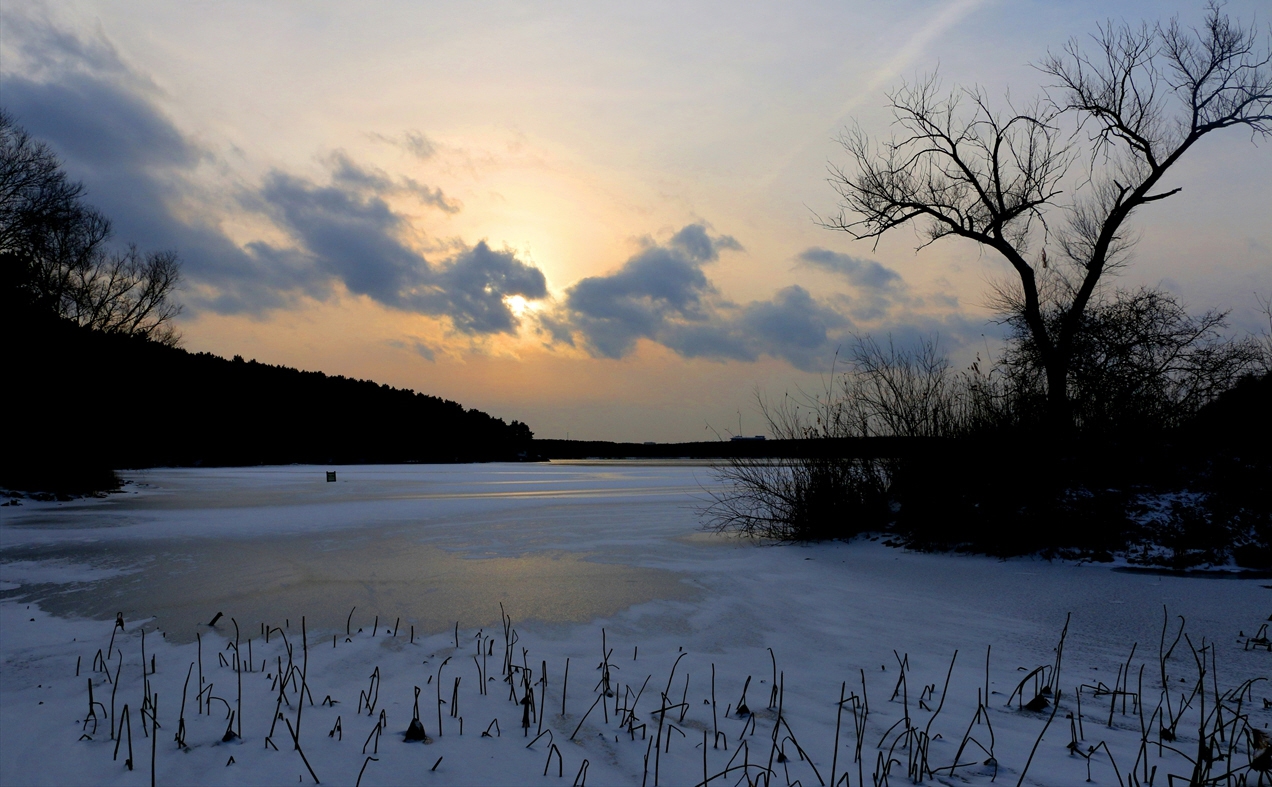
{"x":577,"y":553}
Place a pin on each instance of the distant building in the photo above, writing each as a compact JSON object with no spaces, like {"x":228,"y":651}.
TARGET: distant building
{"x":744,"y":437}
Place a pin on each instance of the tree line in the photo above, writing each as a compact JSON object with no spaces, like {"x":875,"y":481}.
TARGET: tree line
{"x":95,"y":379}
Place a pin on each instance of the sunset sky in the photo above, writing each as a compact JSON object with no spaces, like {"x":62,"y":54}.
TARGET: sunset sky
{"x":597,"y":218}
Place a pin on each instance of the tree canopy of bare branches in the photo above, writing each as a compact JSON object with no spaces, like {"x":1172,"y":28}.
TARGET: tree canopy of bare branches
{"x":1063,"y":174}
{"x":54,"y":252}
{"x":1141,"y":362}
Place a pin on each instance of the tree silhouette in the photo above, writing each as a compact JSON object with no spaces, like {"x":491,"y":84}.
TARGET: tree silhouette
{"x":1065,"y":173}
{"x":54,"y":255}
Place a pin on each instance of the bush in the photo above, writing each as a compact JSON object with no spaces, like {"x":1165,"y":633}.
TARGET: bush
{"x":1162,"y":414}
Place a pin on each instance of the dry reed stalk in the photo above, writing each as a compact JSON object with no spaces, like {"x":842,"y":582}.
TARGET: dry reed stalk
{"x":154,"y":731}
{"x":361,"y":770}
{"x":552,"y":749}
{"x":1055,"y":707}
{"x":114,"y":686}
{"x":565,"y":682}
{"x":199,"y":638}
{"x":439,"y":695}
{"x":181,"y":725}
{"x":127,"y":722}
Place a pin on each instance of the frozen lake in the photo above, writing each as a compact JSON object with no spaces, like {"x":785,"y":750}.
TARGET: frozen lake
{"x":560,"y":542}
{"x":567,"y":548}
{"x":434,"y":545}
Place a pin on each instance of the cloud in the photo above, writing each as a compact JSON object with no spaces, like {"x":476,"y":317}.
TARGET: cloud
{"x":877,"y":290}
{"x":98,"y":122}
{"x":413,"y":142}
{"x":353,"y":235}
{"x":472,"y":288}
{"x":694,"y":241}
{"x":424,"y":351}
{"x":345,"y":172}
{"x":136,"y":166}
{"x":104,"y":121}
{"x":792,"y":325}
{"x":860,"y":272}
{"x":660,"y":285}
{"x":663,"y":295}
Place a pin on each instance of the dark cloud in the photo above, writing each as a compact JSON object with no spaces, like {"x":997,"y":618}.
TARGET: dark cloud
{"x":353,"y":235}
{"x":694,"y":241}
{"x":348,"y":174}
{"x":863,"y":273}
{"x":659,"y":286}
{"x":348,"y":235}
{"x":792,"y":325}
{"x":472,"y":286}
{"x":134,"y":163}
{"x":662,"y":294}
{"x":97,"y":123}
{"x":101,"y":118}
{"x":877,"y":291}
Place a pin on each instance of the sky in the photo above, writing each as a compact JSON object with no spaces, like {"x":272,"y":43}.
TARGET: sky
{"x":601,"y":219}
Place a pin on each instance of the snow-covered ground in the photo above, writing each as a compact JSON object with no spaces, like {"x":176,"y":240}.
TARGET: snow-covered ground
{"x":578,"y":555}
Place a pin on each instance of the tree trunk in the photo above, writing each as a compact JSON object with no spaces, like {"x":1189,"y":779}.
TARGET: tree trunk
{"x":1059,"y":411}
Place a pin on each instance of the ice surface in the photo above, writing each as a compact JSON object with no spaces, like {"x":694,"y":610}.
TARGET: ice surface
{"x":569,"y":550}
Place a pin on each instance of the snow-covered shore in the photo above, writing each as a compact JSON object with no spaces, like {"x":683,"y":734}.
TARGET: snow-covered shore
{"x":577,"y":554}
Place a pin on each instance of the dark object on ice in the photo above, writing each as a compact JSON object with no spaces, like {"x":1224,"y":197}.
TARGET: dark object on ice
{"x":415,"y":732}
{"x":230,"y":734}
{"x":331,"y":476}
{"x":1261,"y":739}
{"x":1262,"y":763}
{"x":1037,"y":703}
{"x":742,"y":709}
{"x":230,"y":762}
{"x":215,"y":618}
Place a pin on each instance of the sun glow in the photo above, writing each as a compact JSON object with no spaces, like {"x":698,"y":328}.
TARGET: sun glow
{"x":518,"y":304}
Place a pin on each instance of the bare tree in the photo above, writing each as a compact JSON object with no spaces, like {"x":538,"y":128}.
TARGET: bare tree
{"x":886,"y":392}
{"x":892,"y":391}
{"x":1064,"y":173}
{"x":54,"y":253}
{"x":1141,"y":361}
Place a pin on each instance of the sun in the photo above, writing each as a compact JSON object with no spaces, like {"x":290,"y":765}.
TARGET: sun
{"x":517,"y":304}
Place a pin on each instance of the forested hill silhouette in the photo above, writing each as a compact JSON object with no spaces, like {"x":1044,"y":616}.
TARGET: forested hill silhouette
{"x":84,"y":402}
